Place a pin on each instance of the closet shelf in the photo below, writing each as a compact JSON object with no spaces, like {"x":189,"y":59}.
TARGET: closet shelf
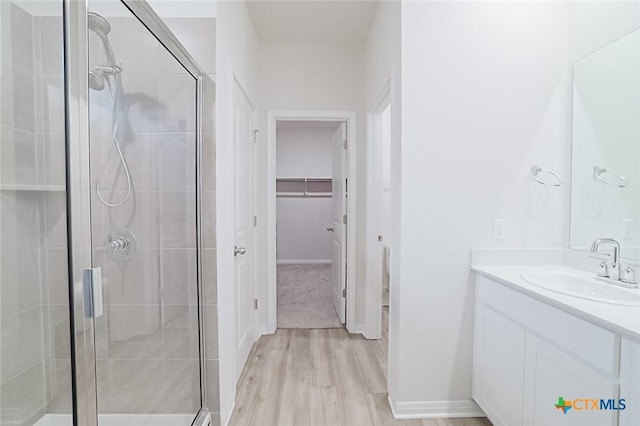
{"x":304,"y":187}
{"x":23,"y":187}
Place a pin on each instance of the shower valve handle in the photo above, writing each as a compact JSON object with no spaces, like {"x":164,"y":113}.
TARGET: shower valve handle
{"x":121,"y":245}
{"x":118,"y":245}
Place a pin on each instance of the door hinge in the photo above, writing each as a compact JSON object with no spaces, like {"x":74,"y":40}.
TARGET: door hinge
{"x":255,"y":304}
{"x":345,"y":144}
{"x":255,"y":221}
{"x":344,"y":219}
{"x":344,"y":292}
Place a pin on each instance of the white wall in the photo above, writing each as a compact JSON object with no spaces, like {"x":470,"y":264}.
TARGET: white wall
{"x":184,"y":8}
{"x":320,"y":77}
{"x":304,"y":151}
{"x":236,"y":51}
{"x":485,"y":95}
{"x":198,"y":36}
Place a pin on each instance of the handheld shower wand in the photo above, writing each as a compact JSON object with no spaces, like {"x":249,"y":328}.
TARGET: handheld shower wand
{"x":99,"y":77}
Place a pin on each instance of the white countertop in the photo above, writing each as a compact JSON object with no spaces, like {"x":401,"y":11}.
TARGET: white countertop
{"x":624,"y":320}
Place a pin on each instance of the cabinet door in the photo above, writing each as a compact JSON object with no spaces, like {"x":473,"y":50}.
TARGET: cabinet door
{"x":551,"y":374}
{"x":499,"y":367}
{"x":630,"y":382}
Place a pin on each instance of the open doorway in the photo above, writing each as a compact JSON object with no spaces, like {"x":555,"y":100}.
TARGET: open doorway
{"x":310,"y":240}
{"x":306,"y":203}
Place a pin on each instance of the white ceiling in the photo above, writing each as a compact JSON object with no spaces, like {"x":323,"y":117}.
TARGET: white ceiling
{"x":313,"y":21}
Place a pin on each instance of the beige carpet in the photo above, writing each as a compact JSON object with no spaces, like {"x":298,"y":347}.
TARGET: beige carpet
{"x":304,"y":297}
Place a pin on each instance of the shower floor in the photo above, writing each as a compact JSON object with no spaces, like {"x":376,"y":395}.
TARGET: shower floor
{"x":122,"y":420}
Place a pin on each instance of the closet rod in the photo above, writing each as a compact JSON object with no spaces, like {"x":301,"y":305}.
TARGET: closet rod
{"x":304,"y":180}
{"x":304,"y":195}
{"x":307,"y":193}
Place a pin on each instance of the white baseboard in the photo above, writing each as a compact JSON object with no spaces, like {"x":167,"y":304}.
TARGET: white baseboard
{"x":263,"y":330}
{"x":434,"y":409}
{"x":303,"y":261}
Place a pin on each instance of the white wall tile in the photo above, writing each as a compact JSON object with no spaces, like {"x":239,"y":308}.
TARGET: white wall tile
{"x":17,"y":37}
{"x":140,"y":214}
{"x":135,"y":281}
{"x":178,"y":219}
{"x":23,"y":397}
{"x":179,"y":278}
{"x":177,"y":161}
{"x":19,"y":219}
{"x":20,"y":282}
{"x":21,"y":343}
{"x":17,"y":156}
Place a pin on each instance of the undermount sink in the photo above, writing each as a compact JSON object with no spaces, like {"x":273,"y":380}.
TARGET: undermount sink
{"x":582,"y":286}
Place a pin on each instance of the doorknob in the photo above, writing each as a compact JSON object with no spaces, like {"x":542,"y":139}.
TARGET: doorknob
{"x":239,"y":251}
{"x":330,"y":229}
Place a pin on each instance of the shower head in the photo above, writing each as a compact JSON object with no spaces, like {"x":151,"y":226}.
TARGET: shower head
{"x":96,"y":79}
{"x":98,"y":76}
{"x":98,"y":24}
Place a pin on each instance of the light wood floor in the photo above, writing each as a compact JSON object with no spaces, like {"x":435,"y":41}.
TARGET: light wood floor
{"x":322,"y":377}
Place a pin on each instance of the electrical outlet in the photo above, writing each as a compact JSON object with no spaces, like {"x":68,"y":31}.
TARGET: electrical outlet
{"x":498,"y":229}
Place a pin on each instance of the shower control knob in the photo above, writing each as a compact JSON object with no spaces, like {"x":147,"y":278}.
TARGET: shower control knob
{"x":121,"y":245}
{"x":118,"y":244}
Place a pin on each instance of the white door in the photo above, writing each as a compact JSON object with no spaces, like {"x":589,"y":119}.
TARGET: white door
{"x":338,"y":249}
{"x":243,"y":134}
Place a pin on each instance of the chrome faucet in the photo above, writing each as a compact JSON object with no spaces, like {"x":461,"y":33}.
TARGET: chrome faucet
{"x":614,"y":268}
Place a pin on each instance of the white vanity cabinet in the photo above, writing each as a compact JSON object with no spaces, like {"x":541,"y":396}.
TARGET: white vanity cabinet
{"x":499,"y":362}
{"x":630,"y":382}
{"x":528,"y":353}
{"x":551,"y":373}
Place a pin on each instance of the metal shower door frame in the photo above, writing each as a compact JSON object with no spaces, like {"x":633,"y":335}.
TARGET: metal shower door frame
{"x":78,"y":183}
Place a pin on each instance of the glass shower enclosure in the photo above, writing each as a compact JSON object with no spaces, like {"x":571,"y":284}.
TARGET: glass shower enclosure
{"x":101,"y":320}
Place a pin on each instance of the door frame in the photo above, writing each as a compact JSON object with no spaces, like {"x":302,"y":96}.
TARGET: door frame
{"x":373,"y":305}
{"x":348,"y":117}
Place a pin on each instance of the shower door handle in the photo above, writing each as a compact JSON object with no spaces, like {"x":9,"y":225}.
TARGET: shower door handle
{"x":92,"y":289}
{"x":239,"y":251}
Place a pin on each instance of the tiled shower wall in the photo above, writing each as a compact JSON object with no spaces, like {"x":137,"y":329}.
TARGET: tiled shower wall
{"x":34,"y":339}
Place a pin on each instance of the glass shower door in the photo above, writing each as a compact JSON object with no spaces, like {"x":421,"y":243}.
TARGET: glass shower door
{"x":143,"y":153}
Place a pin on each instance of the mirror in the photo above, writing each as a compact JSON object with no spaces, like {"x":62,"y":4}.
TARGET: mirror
{"x":605,"y":170}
